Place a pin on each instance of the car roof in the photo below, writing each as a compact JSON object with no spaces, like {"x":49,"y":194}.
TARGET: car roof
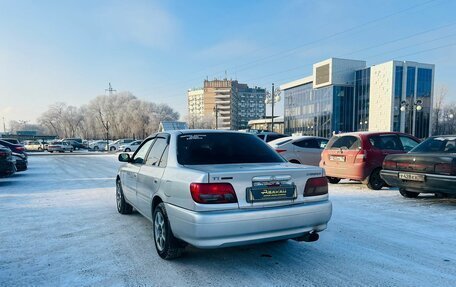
{"x":367,"y":133}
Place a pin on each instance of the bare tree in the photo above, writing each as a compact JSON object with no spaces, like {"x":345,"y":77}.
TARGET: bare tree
{"x":442,"y":92}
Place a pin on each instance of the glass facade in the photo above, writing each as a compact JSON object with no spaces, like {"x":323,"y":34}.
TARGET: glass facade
{"x":342,"y":119}
{"x":423,"y":93}
{"x":318,"y":112}
{"x":398,"y":75}
{"x":409,"y":98}
{"x":362,"y":88}
{"x":345,"y":108}
{"x":308,"y":111}
{"x":418,"y":87}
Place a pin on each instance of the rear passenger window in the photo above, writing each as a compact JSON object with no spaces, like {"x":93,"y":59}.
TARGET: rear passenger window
{"x":308,"y":143}
{"x":386,"y":142}
{"x":346,"y":142}
{"x":156,"y":152}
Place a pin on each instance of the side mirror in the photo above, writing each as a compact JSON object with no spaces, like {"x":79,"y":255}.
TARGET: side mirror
{"x":124,"y":157}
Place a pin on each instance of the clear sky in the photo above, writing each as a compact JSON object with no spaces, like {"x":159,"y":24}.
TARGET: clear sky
{"x":68,"y":51}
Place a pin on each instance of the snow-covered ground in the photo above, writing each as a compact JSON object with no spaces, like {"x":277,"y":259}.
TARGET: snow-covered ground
{"x":59,"y":227}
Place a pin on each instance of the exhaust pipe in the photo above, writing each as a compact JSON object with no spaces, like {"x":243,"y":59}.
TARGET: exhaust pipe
{"x":308,"y":237}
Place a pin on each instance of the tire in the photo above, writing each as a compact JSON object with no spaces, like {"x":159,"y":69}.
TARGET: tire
{"x":167,"y":246}
{"x":127,"y":150}
{"x":408,"y":194}
{"x":122,"y":206}
{"x":51,"y":151}
{"x":295,"y":161}
{"x":375,"y":182}
{"x":71,"y":150}
{"x":96,"y":148}
{"x":40,"y":149}
{"x":113,"y":148}
{"x":333,"y":180}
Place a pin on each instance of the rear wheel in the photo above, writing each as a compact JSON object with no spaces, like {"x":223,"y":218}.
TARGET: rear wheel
{"x":375,"y":182}
{"x":408,"y":194}
{"x":113,"y":148}
{"x":96,"y":148}
{"x":168,"y":247}
{"x":122,"y":206}
{"x":333,"y":180}
{"x":127,"y":150}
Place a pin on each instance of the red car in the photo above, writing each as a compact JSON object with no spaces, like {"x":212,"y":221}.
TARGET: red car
{"x":359,"y":156}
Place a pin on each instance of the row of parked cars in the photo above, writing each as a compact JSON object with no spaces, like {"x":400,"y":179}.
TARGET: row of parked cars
{"x":72,"y":144}
{"x":126,"y":145}
{"x":13,"y":157}
{"x":378,"y":159}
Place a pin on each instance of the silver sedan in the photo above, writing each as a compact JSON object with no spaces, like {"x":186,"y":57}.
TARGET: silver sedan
{"x":215,"y":189}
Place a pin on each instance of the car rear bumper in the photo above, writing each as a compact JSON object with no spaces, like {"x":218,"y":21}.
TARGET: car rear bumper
{"x":357,"y":171}
{"x":243,"y":226}
{"x":433,"y":182}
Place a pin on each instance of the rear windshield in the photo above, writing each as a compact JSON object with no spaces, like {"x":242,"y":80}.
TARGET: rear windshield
{"x":437,"y":145}
{"x":344,"y":142}
{"x":223,"y":148}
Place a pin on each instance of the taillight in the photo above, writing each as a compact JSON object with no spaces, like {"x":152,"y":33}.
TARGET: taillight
{"x":281,"y":150}
{"x":361,"y":156}
{"x":3,"y":153}
{"x":210,"y":193}
{"x":389,"y":164}
{"x":316,"y":186}
{"x":21,"y":148}
{"x":445,"y":168}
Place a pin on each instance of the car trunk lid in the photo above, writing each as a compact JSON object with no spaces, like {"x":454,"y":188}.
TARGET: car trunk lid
{"x":434,"y":163}
{"x":263,"y":184}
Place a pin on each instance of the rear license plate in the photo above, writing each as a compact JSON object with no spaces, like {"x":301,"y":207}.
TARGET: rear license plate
{"x":337,"y":158}
{"x":268,"y":193}
{"x":411,"y":176}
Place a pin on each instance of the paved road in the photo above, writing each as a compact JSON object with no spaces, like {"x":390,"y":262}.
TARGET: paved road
{"x":59,"y":227}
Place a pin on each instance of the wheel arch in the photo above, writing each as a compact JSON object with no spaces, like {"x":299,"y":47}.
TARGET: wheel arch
{"x":155,"y":201}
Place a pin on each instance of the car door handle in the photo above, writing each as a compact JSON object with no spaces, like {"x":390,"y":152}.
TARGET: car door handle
{"x":155,"y":181}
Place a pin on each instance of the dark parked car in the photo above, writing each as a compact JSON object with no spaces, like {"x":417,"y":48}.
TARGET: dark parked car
{"x":16,"y":148}
{"x":428,"y":168}
{"x":21,"y":161}
{"x":13,"y":141}
{"x":7,"y":162}
{"x":359,"y":156}
{"x":75,"y":144}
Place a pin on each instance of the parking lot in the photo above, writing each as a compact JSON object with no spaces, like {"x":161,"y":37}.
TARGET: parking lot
{"x":60,"y":227}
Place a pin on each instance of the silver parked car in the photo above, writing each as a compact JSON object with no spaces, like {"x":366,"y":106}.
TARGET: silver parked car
{"x":128,"y":147}
{"x":59,"y":146}
{"x":300,"y":149}
{"x":200,"y":187}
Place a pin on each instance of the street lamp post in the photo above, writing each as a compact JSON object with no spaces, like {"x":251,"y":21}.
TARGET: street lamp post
{"x":272,"y":98}
{"x":216,"y":116}
{"x":415,"y":107}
